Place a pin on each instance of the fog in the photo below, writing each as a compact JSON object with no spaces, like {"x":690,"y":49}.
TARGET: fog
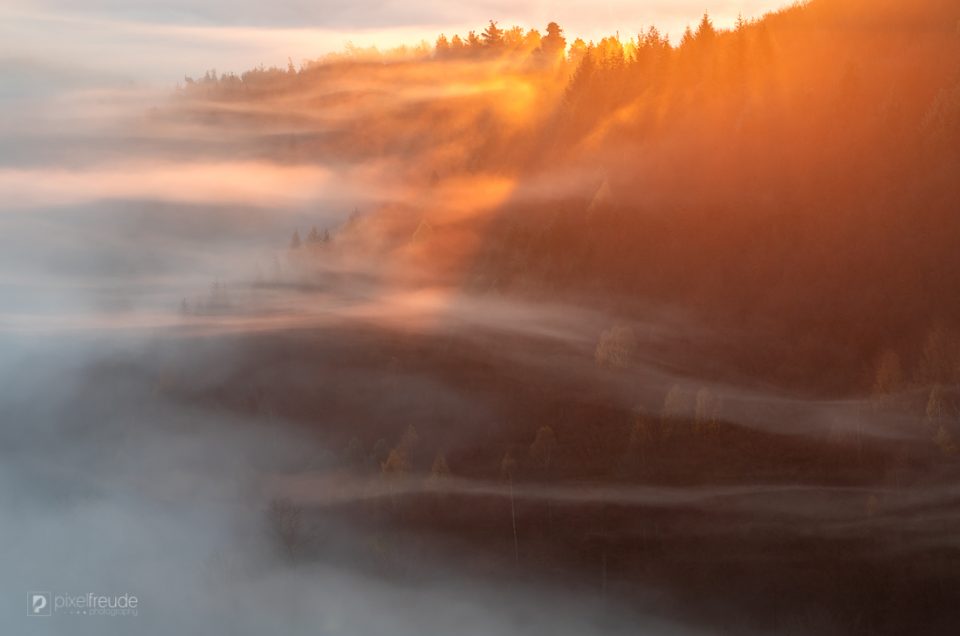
{"x":182,"y":378}
{"x":109,"y":487}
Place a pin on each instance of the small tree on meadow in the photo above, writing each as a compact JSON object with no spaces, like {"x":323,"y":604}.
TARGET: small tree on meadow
{"x":888,"y":378}
{"x":400,"y":459}
{"x":543,"y":446}
{"x":397,"y":463}
{"x":676,"y":407}
{"x":936,"y":410}
{"x":941,"y":351}
{"x":616,"y":347}
{"x":439,"y":475}
{"x":944,"y":440}
{"x":706,"y":412}
{"x":440,"y":469}
{"x":642,"y":435}
{"x":379,"y":453}
{"x":938,"y":421}
{"x":508,"y":468}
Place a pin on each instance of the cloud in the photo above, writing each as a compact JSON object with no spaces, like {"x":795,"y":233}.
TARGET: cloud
{"x":247,"y":183}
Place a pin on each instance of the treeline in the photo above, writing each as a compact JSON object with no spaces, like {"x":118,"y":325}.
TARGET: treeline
{"x":543,"y":50}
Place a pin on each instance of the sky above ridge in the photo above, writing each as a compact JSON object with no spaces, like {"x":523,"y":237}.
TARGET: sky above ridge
{"x":110,"y":42}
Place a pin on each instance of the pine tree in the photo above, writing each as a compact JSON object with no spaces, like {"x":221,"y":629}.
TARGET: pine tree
{"x":442,"y":47}
{"x":706,"y":33}
{"x":492,"y":36}
{"x":553,"y":43}
{"x":473,"y":42}
{"x":577,"y":50}
{"x":740,"y":24}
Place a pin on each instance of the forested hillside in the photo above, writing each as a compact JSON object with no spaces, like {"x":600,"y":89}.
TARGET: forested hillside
{"x":794,"y":177}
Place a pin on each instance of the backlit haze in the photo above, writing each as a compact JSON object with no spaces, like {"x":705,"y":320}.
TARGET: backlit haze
{"x":353,"y":317}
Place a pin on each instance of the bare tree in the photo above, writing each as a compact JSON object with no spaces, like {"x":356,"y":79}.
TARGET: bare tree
{"x":508,"y":466}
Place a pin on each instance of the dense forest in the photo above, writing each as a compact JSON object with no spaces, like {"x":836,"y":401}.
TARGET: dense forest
{"x":790,"y":181}
{"x":793,"y":177}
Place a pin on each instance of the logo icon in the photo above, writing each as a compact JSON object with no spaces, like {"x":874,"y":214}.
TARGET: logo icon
{"x":40,"y":604}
